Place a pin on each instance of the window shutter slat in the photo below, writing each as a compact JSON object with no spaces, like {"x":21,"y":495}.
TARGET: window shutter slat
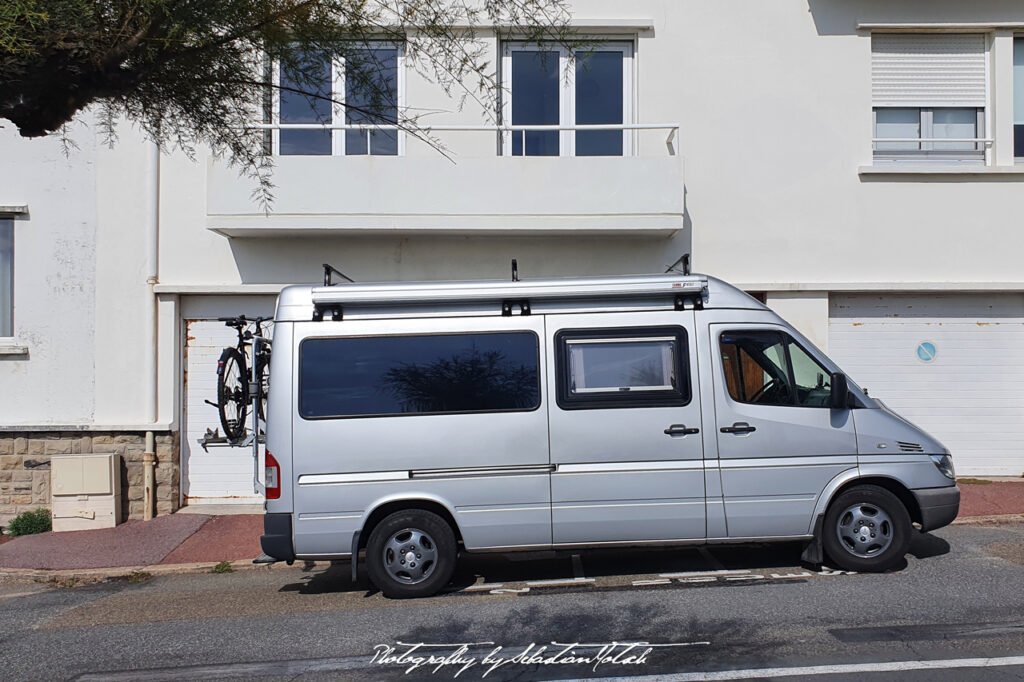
{"x":928,"y":70}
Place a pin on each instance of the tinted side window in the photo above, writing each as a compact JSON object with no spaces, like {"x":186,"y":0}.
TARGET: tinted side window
{"x":423,"y":374}
{"x":770,"y":368}
{"x":622,"y":368}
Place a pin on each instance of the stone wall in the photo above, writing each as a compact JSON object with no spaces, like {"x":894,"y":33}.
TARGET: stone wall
{"x":25,"y":468}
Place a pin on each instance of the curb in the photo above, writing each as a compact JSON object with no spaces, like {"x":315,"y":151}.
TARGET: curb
{"x":993,"y":519}
{"x":76,"y":576}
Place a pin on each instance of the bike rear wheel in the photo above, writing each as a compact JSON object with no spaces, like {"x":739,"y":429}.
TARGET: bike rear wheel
{"x":263,"y":376}
{"x":232,"y":393}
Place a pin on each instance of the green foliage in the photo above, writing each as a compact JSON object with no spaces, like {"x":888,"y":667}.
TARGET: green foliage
{"x":189,"y":73}
{"x":223,"y":567}
{"x":30,"y":523}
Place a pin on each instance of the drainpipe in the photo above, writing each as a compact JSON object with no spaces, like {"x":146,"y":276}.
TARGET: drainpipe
{"x":152,"y":366}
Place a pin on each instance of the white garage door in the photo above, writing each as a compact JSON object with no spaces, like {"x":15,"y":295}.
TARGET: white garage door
{"x":221,"y":474}
{"x":953,"y":364}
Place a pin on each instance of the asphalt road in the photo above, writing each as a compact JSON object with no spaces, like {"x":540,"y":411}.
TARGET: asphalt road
{"x":955,"y":611}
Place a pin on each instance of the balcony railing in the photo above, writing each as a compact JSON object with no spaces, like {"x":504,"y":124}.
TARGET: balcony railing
{"x":670,"y":139}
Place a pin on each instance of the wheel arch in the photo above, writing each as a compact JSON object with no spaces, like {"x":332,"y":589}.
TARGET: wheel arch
{"x":383,"y":508}
{"x":897,"y":488}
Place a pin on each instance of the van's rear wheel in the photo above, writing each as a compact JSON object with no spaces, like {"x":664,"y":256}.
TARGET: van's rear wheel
{"x":866,"y":529}
{"x":411,"y":554}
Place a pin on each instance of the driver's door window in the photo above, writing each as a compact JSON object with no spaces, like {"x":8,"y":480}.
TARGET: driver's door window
{"x":764,"y":367}
{"x":755,"y":366}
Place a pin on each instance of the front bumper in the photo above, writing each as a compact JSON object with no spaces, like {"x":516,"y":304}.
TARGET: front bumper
{"x":939,"y":506}
{"x":276,"y":540}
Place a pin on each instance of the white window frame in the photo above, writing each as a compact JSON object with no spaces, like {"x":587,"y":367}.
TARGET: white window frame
{"x":1018,"y":160}
{"x":7,"y":223}
{"x":567,"y":91}
{"x":927,"y":151}
{"x":338,"y":93}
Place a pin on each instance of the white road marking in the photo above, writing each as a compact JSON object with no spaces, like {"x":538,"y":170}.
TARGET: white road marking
{"x":658,"y":581}
{"x":510,"y":590}
{"x":482,"y":586}
{"x":837,"y":669}
{"x":752,"y":576}
{"x":693,"y":574}
{"x":558,"y":581}
{"x":801,"y":574}
{"x":706,"y":579}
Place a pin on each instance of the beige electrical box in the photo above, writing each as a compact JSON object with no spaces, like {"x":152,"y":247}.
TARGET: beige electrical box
{"x":86,"y":491}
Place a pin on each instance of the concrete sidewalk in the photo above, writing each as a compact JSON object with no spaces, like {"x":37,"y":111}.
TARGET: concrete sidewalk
{"x":197,"y":542}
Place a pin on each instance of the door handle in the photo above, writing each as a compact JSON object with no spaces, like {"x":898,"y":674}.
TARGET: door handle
{"x":738,"y":427}
{"x":680,"y":430}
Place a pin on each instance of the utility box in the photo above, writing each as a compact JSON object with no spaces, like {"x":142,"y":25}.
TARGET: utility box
{"x":86,"y":491}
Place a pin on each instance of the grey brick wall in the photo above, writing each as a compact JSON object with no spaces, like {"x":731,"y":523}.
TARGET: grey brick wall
{"x":25,"y":468}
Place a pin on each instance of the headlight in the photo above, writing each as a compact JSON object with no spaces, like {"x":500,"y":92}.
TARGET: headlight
{"x":944,"y":463}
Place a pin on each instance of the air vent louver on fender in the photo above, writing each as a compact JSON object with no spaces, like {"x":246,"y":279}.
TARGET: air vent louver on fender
{"x":909,"y":447}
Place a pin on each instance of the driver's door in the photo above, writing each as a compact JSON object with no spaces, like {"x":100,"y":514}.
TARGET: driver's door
{"x":779,"y":443}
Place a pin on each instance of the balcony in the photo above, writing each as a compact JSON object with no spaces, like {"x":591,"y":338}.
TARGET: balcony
{"x":481,"y":189}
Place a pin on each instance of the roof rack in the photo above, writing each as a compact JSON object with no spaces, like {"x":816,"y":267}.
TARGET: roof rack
{"x":686,"y":290}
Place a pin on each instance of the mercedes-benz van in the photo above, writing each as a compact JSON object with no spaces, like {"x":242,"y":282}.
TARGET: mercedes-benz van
{"x":419,"y":420}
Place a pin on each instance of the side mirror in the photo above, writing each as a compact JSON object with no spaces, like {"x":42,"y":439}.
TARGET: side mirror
{"x":839,"y":397}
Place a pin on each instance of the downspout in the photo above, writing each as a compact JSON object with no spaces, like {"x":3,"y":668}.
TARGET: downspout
{"x":152,"y":356}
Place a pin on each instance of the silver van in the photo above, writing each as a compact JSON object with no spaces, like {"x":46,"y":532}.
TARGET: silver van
{"x":418,"y":420}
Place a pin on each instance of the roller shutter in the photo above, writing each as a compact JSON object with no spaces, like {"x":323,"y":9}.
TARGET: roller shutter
{"x":928,"y":69}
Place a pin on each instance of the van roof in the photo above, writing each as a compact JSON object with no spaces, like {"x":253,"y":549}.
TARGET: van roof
{"x":477,"y":297}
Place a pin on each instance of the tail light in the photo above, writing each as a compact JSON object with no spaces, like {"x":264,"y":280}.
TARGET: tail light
{"x":273,"y":474}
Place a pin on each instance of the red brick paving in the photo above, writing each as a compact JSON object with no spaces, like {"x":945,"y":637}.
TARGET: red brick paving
{"x":998,"y":497}
{"x":224,"y":538}
{"x":133,"y":543}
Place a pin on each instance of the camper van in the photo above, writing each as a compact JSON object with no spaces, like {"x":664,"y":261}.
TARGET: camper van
{"x":415,"y":421}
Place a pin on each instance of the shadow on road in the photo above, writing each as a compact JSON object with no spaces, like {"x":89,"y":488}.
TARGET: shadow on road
{"x":531,"y":566}
{"x":601,"y":563}
{"x":926,"y":546}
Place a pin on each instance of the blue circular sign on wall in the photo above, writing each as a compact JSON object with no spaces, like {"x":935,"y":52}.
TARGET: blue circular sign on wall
{"x":926,"y":351}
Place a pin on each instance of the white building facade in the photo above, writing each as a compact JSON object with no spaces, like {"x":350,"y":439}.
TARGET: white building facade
{"x":857,"y":165}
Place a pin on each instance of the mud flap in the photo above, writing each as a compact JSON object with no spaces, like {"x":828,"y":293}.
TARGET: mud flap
{"x":355,"y":557}
{"x":813,"y":553}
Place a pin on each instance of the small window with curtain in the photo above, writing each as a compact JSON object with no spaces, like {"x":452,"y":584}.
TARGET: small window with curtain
{"x":608,"y":368}
{"x":929,"y":97}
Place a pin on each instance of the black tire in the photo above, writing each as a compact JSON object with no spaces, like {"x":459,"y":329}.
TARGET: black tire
{"x":419,"y":533}
{"x":882,"y":518}
{"x":232,"y":393}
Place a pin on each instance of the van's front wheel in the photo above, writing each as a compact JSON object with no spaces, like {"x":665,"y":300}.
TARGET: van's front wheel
{"x":866,"y":529}
{"x":411,"y":554}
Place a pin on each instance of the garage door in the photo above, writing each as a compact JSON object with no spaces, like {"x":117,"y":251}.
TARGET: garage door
{"x":952,"y":364}
{"x":220,"y":474}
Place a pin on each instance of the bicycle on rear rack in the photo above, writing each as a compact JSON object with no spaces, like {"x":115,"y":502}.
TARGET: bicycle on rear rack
{"x":237,"y":386}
